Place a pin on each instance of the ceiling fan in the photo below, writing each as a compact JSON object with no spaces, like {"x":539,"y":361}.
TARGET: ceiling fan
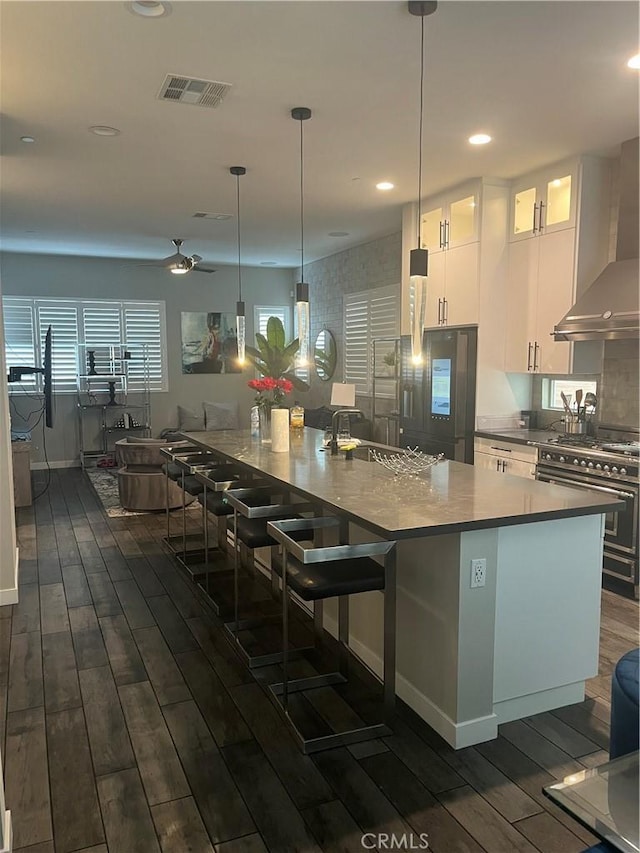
{"x":179,"y":264}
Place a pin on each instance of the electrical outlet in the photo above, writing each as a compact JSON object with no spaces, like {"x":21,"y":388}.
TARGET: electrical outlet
{"x":478,"y":572}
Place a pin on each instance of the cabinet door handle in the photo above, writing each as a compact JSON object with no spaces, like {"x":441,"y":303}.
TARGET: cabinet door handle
{"x":540,"y":222}
{"x":442,"y":235}
{"x":535,"y":212}
{"x":447,"y":229}
{"x":536,"y":347}
{"x":445,"y":311}
{"x":501,"y":449}
{"x":529,"y":355}
{"x":439,"y":303}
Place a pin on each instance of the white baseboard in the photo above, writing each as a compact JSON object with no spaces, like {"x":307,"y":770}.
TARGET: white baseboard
{"x":62,"y":463}
{"x":10,"y":595}
{"x":7,"y":833}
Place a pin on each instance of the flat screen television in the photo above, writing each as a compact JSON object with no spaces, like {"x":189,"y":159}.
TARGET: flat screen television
{"x":16,"y":373}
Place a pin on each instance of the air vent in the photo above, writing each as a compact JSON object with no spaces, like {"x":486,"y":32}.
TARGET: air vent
{"x":189,"y":90}
{"x":219,"y":216}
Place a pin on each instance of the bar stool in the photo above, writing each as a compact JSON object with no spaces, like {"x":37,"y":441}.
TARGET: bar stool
{"x":181,"y":466}
{"x":215,"y":482}
{"x":252,"y":509}
{"x":336,"y":571}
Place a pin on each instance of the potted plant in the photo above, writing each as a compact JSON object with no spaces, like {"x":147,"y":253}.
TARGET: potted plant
{"x":275,"y":362}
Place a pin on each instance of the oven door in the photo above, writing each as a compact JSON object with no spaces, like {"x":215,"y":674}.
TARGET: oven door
{"x":621,"y":528}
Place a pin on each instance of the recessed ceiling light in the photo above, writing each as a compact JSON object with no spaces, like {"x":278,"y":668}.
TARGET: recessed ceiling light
{"x":479,"y":139}
{"x":385,"y":185}
{"x":27,"y":139}
{"x":338,"y":234}
{"x":149,"y":8}
{"x":104,"y":130}
{"x":634,"y":62}
{"x":268,"y":263}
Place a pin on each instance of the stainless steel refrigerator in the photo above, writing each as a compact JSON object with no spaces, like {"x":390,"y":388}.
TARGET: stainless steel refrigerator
{"x":438,"y":396}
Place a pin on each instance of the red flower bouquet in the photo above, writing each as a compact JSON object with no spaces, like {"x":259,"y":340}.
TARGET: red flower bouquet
{"x":270,"y":392}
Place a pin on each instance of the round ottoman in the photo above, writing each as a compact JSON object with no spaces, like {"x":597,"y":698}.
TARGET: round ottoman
{"x":624,"y":706}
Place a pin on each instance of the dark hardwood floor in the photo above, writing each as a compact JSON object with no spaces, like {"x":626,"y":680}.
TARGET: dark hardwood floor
{"x":128,"y":724}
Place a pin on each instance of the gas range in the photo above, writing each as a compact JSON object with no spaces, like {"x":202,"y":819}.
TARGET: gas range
{"x":613,"y":453}
{"x":597,"y":460}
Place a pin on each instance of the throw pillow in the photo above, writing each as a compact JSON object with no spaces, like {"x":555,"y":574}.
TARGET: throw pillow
{"x":189,"y":421}
{"x":221,"y":415}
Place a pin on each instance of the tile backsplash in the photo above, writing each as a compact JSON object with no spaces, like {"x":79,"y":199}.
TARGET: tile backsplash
{"x":619,"y":397}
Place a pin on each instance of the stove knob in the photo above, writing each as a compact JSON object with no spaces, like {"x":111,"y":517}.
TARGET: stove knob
{"x":547,"y":456}
{"x":562,"y":459}
{"x":590,"y":465}
{"x":614,"y":470}
{"x":623,"y":470}
{"x":605,"y":468}
{"x":584,"y":463}
{"x":598,"y":467}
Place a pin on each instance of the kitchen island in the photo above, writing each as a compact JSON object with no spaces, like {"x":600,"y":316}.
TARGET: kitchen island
{"x":468,"y":658}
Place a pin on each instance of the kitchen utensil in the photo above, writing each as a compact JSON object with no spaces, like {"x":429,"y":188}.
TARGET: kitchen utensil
{"x":575,"y":427}
{"x":565,"y":403}
{"x":590,"y":399}
{"x":578,"y":400}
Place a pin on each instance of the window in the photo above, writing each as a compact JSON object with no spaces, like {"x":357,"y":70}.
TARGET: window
{"x":368,"y":315}
{"x":138,"y":327}
{"x":552,"y":388}
{"x":261,"y":314}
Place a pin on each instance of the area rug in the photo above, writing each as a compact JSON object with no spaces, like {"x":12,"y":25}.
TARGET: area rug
{"x":105,"y":485}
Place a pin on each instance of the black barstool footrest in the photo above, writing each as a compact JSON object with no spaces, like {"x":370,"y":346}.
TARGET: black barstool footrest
{"x":310,"y":683}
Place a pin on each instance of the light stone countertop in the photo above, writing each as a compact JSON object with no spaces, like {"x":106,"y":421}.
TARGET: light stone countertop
{"x":450,"y":497}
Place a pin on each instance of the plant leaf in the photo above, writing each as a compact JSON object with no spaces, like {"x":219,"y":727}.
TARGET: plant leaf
{"x":298,"y":384}
{"x":275,"y":333}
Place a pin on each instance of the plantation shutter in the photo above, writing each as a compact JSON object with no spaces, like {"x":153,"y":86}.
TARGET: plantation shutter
{"x":356,"y":341}
{"x":262,"y":313}
{"x":144,"y":339}
{"x":102,"y":334}
{"x":63,"y":318}
{"x":368,"y":315}
{"x":19,"y":339}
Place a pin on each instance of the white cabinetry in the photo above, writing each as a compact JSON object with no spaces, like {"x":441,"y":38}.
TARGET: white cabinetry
{"x":559,"y":255}
{"x":506,"y":457}
{"x":453,"y":229}
{"x":545,"y":201}
{"x":451,"y":219}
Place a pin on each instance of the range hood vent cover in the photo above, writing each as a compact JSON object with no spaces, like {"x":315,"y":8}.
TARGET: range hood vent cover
{"x":609,"y":309}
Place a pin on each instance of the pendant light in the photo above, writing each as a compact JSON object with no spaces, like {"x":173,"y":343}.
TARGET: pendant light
{"x":419,"y":258}
{"x":302,"y":288}
{"x":241,"y":320}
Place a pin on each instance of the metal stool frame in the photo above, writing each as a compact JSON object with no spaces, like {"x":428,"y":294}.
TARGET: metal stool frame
{"x":268,"y":511}
{"x":189,"y":461}
{"x":279,"y":530}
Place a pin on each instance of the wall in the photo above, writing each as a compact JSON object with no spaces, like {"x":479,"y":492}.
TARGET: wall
{"x":105,"y":278}
{"x":371,"y":265}
{"x":8,"y":550}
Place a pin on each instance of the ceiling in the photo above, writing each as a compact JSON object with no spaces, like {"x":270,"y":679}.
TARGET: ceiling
{"x":545,"y":79}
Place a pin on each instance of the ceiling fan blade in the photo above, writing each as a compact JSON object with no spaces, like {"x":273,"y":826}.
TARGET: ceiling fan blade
{"x":201,"y":269}
{"x":196,"y":258}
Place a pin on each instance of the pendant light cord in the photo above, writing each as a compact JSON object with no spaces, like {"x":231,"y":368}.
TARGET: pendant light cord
{"x":301,"y":203}
{"x":238,"y":218}
{"x":421,"y":123}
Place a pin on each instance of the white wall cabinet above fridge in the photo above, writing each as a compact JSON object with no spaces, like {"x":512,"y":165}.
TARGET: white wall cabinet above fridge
{"x":548,"y":269}
{"x":451,"y":219}
{"x":464,"y":230}
{"x":545,"y":201}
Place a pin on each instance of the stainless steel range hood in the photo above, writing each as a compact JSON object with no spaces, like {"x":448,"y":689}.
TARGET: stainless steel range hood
{"x":609,"y":309}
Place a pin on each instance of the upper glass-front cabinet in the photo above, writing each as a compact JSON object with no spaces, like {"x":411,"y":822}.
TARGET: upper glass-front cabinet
{"x":450,"y":221}
{"x":544,"y":202}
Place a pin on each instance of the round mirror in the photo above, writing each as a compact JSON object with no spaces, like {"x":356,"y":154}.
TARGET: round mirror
{"x":325,"y":355}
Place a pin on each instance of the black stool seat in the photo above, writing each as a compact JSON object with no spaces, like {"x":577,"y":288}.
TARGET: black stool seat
{"x":192,"y":485}
{"x":253,"y":531}
{"x":173,"y":471}
{"x":315,"y":581}
{"x":216,"y":504}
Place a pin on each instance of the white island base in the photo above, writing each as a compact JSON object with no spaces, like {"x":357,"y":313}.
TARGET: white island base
{"x":468,"y":658}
